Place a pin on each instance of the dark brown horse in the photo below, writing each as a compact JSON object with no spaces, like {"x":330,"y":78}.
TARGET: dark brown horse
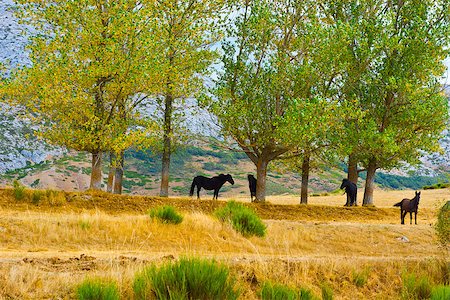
{"x":409,"y":206}
{"x":214,"y":183}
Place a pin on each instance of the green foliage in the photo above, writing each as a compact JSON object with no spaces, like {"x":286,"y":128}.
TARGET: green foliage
{"x":18,"y":190}
{"x":211,"y":166}
{"x":306,"y":294}
{"x":276,"y":291}
{"x":166,"y":214}
{"x":360,"y":278}
{"x":37,"y":196}
{"x":442,"y":225}
{"x":440,"y":292}
{"x":327,"y":292}
{"x":189,"y":278}
{"x":97,"y":289}
{"x":436,"y":186}
{"x":242,"y":219}
{"x":414,"y":288}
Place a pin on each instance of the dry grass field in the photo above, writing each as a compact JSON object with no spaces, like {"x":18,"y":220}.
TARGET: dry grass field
{"x":48,"y":247}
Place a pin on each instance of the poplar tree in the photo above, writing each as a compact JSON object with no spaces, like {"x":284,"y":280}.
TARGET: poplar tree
{"x":185,"y":31}
{"x":89,"y":57}
{"x":398,"y":88}
{"x":257,"y":82}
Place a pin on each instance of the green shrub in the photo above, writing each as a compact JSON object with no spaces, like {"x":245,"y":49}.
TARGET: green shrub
{"x":442,"y":225}
{"x":189,"y":278}
{"x":414,"y":288}
{"x":305,"y":294}
{"x":440,"y":292}
{"x":97,"y":289}
{"x":327,"y":292}
{"x":166,"y":214}
{"x":18,"y":190}
{"x":242,"y":218}
{"x":276,"y":291}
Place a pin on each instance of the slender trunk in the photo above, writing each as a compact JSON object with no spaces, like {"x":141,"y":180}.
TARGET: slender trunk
{"x":118,"y":177}
{"x":96,"y":173}
{"x":370,"y":179}
{"x":261,"y":173}
{"x":112,"y":171}
{"x":352,"y":174}
{"x":164,"y":191}
{"x":305,"y":178}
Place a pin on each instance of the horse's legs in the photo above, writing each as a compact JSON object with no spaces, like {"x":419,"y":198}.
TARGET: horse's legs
{"x":402,"y":216}
{"x":348,"y":203}
{"x":415,"y":217}
{"x":410,"y":218}
{"x":198,"y":191}
{"x":216,"y":194}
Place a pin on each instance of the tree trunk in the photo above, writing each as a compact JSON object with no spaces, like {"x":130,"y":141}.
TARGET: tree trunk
{"x":96,"y":173}
{"x":112,"y":171}
{"x":305,"y":179}
{"x":370,"y":179}
{"x":261,"y":173}
{"x":352,"y":173}
{"x":118,"y":176}
{"x":164,"y":191}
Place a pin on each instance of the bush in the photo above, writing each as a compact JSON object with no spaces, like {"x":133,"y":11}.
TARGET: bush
{"x":186,"y":279}
{"x":442,"y":225}
{"x":18,"y":190}
{"x":416,"y":289}
{"x":166,"y":214}
{"x":242,"y":219}
{"x":440,"y":292}
{"x":97,"y":289}
{"x":275,"y":291}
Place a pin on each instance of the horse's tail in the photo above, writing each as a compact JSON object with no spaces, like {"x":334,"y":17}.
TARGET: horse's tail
{"x":398,"y":204}
{"x":192,"y":188}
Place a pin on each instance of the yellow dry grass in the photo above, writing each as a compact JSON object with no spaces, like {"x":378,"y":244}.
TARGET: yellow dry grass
{"x":47,"y":249}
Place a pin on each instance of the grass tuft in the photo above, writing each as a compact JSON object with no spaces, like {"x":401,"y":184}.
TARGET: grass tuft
{"x":97,"y":289}
{"x":359,"y":278}
{"x":327,"y":292}
{"x":189,"y":278}
{"x":276,"y":291}
{"x":242,"y":219}
{"x":440,"y":292}
{"x":442,"y":225}
{"x":166,"y":214}
{"x":414,"y":288}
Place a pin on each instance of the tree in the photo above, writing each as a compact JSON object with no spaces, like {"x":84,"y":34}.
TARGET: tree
{"x":255,"y":87}
{"x":88,"y":59}
{"x":399,"y":91}
{"x":186,"y":31}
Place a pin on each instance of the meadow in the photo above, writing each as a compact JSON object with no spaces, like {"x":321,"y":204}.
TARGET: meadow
{"x":50,"y":243}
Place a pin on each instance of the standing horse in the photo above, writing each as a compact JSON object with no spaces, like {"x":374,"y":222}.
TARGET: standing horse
{"x":252,"y":186}
{"x":409,"y":206}
{"x":351,"y":189}
{"x":214,"y":183}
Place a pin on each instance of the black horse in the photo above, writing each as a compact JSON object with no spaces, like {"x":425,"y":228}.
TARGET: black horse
{"x":351,"y":189}
{"x":214,"y":183}
{"x":252,"y":186}
{"x":409,"y":206}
